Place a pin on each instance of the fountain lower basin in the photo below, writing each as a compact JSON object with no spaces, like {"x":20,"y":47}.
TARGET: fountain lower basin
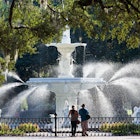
{"x":77,"y":84}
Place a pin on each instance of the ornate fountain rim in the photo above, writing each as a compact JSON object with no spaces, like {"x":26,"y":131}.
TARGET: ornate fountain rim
{"x":96,"y":81}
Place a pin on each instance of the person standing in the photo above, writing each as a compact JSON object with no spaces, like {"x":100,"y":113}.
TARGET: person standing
{"x":74,"y":117}
{"x":84,"y":122}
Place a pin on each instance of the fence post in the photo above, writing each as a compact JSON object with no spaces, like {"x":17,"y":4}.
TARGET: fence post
{"x":55,"y":117}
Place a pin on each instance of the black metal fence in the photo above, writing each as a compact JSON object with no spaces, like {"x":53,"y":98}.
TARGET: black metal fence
{"x":61,"y":126}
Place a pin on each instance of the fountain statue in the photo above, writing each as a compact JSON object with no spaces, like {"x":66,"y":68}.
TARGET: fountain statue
{"x":136,"y":115}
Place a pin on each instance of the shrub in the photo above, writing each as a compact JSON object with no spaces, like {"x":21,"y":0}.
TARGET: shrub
{"x":20,"y":130}
{"x":14,"y":132}
{"x":106,"y":127}
{"x":121,"y":128}
{"x":28,"y":127}
{"x":4,"y":127}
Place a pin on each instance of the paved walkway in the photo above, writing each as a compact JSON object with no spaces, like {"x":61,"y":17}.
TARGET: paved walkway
{"x":73,"y":138}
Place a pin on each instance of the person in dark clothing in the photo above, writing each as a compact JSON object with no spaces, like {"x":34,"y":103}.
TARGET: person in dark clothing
{"x":84,"y":122}
{"x":74,"y":117}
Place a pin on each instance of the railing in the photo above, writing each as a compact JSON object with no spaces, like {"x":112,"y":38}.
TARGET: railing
{"x":61,"y":126}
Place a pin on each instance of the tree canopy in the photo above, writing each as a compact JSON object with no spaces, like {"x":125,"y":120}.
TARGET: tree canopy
{"x":110,"y":19}
{"x":99,"y":18}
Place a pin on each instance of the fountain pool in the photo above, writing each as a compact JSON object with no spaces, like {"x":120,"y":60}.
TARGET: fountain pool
{"x":66,"y":89}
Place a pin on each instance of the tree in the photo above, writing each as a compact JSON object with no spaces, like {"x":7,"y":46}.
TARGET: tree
{"x":13,"y":43}
{"x":17,"y":38}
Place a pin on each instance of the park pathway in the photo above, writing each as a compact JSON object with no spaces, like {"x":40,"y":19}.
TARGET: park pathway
{"x":73,"y":138}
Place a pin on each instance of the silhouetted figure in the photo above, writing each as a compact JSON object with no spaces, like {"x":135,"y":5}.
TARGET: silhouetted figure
{"x":84,"y":122}
{"x":74,"y":117}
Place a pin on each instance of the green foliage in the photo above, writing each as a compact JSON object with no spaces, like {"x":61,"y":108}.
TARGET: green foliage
{"x":100,"y":19}
{"x":4,"y":127}
{"x":2,"y":78}
{"x":24,"y":105}
{"x":2,"y":64}
{"x":110,"y":19}
{"x":14,"y":132}
{"x":13,"y":43}
{"x":121,"y":128}
{"x":42,"y":24}
{"x":28,"y":127}
{"x":20,"y":130}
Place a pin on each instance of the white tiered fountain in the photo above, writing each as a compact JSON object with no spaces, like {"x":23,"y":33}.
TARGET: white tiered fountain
{"x":66,"y":86}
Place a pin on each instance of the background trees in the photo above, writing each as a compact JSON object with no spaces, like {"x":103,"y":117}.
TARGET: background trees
{"x":38,"y":64}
